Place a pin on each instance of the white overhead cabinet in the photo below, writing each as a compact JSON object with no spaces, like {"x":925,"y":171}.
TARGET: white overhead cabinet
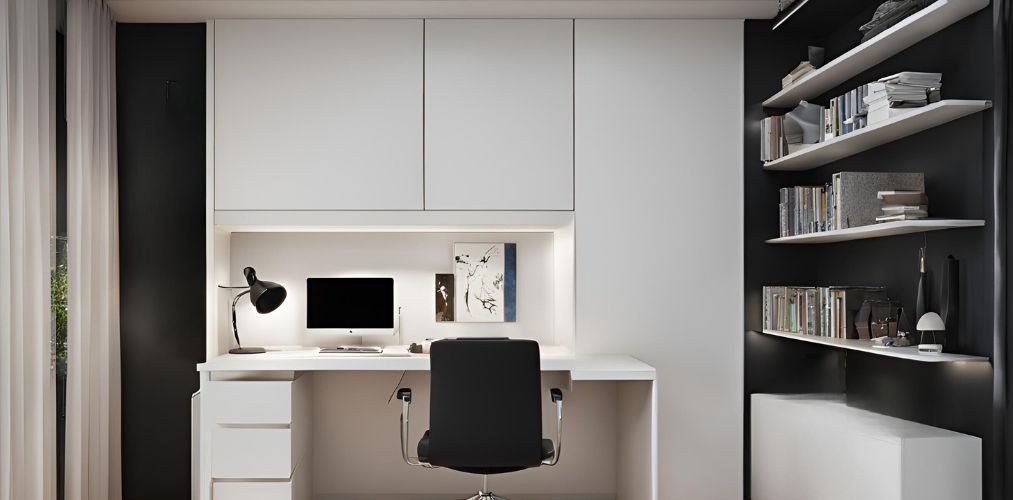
{"x":318,"y":114}
{"x":499,"y":114}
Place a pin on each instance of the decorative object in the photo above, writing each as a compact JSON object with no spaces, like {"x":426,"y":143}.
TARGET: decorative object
{"x":890,"y":13}
{"x":485,"y":282}
{"x":803,"y":125}
{"x":903,"y":329}
{"x":930,"y":322}
{"x":921,"y":301}
{"x":444,"y":297}
{"x":266,"y":296}
{"x":816,"y":55}
{"x":878,"y":317}
{"x":951,"y":301}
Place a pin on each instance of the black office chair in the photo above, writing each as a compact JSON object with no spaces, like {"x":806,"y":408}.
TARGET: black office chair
{"x":485,"y":414}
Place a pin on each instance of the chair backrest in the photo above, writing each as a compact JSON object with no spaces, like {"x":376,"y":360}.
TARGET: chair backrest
{"x":485,"y":404}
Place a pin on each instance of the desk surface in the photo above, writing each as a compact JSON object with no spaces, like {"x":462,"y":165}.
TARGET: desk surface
{"x":581,"y":367}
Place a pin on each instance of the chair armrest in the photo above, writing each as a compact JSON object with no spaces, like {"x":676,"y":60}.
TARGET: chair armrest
{"x":557,"y":397}
{"x":405,"y":395}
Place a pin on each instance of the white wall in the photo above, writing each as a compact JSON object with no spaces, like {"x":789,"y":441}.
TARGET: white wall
{"x":659,"y":229}
{"x":412,"y":259}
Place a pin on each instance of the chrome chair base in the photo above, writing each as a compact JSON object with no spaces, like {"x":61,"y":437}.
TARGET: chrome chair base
{"x":488,"y":495}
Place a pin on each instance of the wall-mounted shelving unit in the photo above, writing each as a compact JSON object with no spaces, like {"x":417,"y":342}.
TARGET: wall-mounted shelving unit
{"x":957,"y":162}
{"x":911,"y":122}
{"x":880,"y":230}
{"x":904,"y":34}
{"x":866,"y":346}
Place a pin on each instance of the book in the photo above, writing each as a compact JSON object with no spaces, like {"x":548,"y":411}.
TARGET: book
{"x":900,"y":217}
{"x":903,"y":209}
{"x":827,"y":311}
{"x":908,"y":89}
{"x":902,"y":197}
{"x":796,"y":74}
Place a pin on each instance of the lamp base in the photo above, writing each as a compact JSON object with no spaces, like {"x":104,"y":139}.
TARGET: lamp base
{"x":247,"y":350}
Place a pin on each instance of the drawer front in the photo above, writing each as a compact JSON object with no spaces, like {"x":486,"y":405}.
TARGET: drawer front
{"x":297,"y":488}
{"x":254,"y":453}
{"x":273,"y":490}
{"x":251,"y":402}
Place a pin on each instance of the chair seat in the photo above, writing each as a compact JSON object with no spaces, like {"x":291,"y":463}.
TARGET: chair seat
{"x":423,"y":450}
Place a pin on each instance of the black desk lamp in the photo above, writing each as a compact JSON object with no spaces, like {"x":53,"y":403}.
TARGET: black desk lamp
{"x":266,"y":297}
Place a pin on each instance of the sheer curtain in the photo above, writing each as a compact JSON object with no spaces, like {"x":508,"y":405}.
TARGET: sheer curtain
{"x":27,"y":389}
{"x":93,"y":355}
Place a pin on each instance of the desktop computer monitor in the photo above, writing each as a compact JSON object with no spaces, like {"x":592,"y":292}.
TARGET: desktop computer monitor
{"x":354,"y":306}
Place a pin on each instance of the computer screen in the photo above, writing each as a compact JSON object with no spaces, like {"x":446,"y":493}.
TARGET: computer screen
{"x":350,"y":303}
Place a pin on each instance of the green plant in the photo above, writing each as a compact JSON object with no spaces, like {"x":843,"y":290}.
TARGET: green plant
{"x":58,"y":306}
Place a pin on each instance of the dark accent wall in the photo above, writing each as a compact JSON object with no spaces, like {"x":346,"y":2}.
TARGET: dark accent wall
{"x":162,"y":251}
{"x":957,"y":161}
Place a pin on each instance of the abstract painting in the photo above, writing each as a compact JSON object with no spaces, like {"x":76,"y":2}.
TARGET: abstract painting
{"x":445,"y":297}
{"x":485,"y":279}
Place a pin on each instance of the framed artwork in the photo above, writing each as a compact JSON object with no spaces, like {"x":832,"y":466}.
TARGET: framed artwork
{"x":445,"y":297}
{"x":485,"y":282}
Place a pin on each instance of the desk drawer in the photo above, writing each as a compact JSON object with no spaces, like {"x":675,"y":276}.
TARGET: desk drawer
{"x":256,"y":402}
{"x":253,"y":453}
{"x":296,"y":488}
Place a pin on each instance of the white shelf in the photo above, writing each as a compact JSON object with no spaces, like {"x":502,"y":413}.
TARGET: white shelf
{"x":878,"y":231}
{"x":910,"y":353}
{"x":911,"y":122}
{"x":904,"y":34}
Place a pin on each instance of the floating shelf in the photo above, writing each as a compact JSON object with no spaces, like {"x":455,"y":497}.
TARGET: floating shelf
{"x":866,"y":346}
{"x":904,"y":34}
{"x":911,"y":122}
{"x":879,"y":230}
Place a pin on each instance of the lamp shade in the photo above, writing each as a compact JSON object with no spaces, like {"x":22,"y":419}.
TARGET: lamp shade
{"x":931,"y":322}
{"x":265,"y":295}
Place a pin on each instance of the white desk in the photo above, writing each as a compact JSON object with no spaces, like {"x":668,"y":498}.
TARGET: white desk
{"x":254,"y":425}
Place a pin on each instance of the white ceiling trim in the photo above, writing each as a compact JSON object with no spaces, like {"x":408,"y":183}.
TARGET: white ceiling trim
{"x":202,"y":10}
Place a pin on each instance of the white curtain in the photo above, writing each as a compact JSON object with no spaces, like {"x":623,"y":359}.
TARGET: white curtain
{"x":93,"y":338}
{"x":27,"y":388}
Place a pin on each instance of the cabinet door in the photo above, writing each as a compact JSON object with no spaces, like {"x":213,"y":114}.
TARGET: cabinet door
{"x":318,"y":114}
{"x":499,"y":114}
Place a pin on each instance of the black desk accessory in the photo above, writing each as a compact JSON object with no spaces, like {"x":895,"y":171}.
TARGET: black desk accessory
{"x":921,"y":306}
{"x":266,"y":296}
{"x":951,"y":301}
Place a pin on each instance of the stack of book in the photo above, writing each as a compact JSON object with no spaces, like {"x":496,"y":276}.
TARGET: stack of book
{"x":846,"y":113}
{"x":826,"y":311}
{"x":889,"y":96}
{"x":773,"y":143}
{"x":796,"y":74}
{"x":806,"y":209}
{"x":902,"y":205}
{"x":850,"y":200}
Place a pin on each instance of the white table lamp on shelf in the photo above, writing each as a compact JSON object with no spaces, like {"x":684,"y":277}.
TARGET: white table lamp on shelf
{"x":930,"y":322}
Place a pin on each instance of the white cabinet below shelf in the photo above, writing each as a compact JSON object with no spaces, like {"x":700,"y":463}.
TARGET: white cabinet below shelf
{"x":809,"y":446}
{"x":321,"y":114}
{"x":499,"y":114}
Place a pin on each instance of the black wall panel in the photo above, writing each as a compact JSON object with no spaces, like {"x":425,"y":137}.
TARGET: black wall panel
{"x":957,"y":161}
{"x":160,"y":96}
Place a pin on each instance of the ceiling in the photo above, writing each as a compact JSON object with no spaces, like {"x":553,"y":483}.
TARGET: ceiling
{"x":202,"y":10}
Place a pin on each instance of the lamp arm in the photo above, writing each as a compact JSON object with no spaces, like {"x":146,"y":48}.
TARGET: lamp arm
{"x":235,"y":331}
